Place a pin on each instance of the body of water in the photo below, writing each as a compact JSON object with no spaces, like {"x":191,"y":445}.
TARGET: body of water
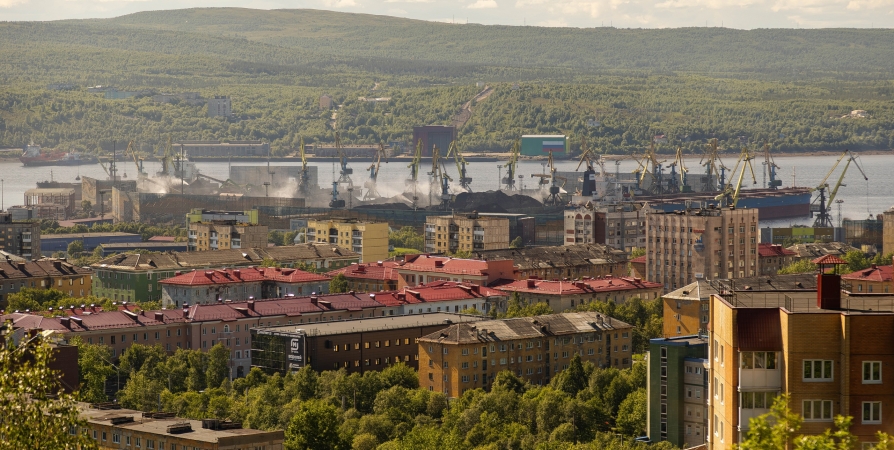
{"x":861,"y":198}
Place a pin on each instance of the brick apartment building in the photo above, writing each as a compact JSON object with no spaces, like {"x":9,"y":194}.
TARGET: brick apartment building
{"x":773,"y":257}
{"x":469,"y":355}
{"x":874,"y":279}
{"x":678,"y":390}
{"x":465,"y":232}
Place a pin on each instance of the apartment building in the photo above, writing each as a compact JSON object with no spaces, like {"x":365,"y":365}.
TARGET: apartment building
{"x":420,"y":269}
{"x":43,"y":274}
{"x":224,"y":234}
{"x":621,"y":226}
{"x":825,"y":350}
{"x":220,"y":106}
{"x":357,"y":346}
{"x":469,"y":355}
{"x":465,"y":232}
{"x":773,"y":257}
{"x":368,"y":239}
{"x":563,"y":295}
{"x":562,"y":261}
{"x":19,"y":238}
{"x":135,"y":276}
{"x":678,"y":390}
{"x":705,"y":243}
{"x":888,"y":231}
{"x":369,"y":277}
{"x":874,"y":279}
{"x":210,"y":286}
{"x":113,"y":428}
{"x":443,"y":296}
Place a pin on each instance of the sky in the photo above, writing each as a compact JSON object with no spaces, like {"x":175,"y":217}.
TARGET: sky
{"x":740,"y":14}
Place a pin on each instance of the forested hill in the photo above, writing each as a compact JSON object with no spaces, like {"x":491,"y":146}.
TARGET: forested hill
{"x":864,"y":52}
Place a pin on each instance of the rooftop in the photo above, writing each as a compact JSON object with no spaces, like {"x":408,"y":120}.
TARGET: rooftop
{"x":772,"y":250}
{"x":437,"y":291}
{"x":873,"y":273}
{"x":146,"y":245}
{"x":45,"y":237}
{"x":380,"y":270}
{"x":703,"y":289}
{"x":372,"y":324}
{"x":681,"y":340}
{"x":526,"y":328}
{"x":248,"y":274}
{"x":446,"y":264}
{"x":817,"y":249}
{"x":584,"y":286}
{"x":43,"y":268}
{"x":557,"y":256}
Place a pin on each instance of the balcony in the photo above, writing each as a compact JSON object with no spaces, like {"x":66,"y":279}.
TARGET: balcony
{"x":236,"y":243}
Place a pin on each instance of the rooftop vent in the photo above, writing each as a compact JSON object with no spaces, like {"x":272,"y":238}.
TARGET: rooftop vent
{"x":179,"y":427}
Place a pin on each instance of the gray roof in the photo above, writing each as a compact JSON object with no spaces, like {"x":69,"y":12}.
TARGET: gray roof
{"x":817,"y":249}
{"x":373,"y":324}
{"x":702,"y":289}
{"x":86,"y":235}
{"x":556,"y":256}
{"x":526,"y":328}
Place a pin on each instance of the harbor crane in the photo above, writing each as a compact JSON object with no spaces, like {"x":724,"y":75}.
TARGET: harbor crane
{"x":112,"y":168}
{"x":304,"y":176}
{"x":138,"y":161}
{"x":713,"y":167}
{"x":822,"y":205}
{"x":370,"y":185}
{"x":414,"y":173}
{"x":730,"y":193}
{"x":678,"y":180}
{"x":439,"y":177}
{"x":655,"y":171}
{"x":555,"y":191}
{"x":344,"y":176}
{"x":770,"y":168}
{"x":586,"y":155}
{"x":509,"y":179}
{"x":464,"y":180}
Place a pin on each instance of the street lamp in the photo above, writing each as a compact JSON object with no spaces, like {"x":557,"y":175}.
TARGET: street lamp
{"x":499,"y":177}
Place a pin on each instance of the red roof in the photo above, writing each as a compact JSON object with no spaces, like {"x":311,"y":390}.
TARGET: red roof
{"x":437,"y":291}
{"x":381,"y":270}
{"x":638,"y":260}
{"x":592,"y":285}
{"x":874,"y":273}
{"x":248,"y":274}
{"x":444,"y":264}
{"x":828,"y":260}
{"x":769,"y":250}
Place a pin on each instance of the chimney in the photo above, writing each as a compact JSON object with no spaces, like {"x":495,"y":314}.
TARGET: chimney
{"x":439,"y":263}
{"x":828,"y":291}
{"x":159,"y":316}
{"x":531,"y":283}
{"x":251,"y":305}
{"x":21,"y":265}
{"x":57,"y":264}
{"x":314,"y":300}
{"x":185,"y":313}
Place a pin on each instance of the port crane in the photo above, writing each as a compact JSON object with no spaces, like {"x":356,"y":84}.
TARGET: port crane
{"x":371,"y":192}
{"x":824,"y":216}
{"x":509,"y":180}
{"x":730,"y":193}
{"x":439,"y":177}
{"x":586,"y":155}
{"x":678,"y":181}
{"x":304,"y":176}
{"x":770,"y":168}
{"x":655,"y":172}
{"x":713,"y":166}
{"x":138,"y":161}
{"x":344,"y":175}
{"x":464,"y":180}
{"x":112,"y":168}
{"x":414,"y":173}
{"x":555,"y":191}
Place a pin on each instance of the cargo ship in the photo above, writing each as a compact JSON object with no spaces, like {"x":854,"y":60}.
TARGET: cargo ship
{"x":34,"y":156}
{"x":782,"y":203}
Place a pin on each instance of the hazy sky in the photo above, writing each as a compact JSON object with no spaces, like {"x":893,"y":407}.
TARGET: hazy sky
{"x":745,"y":14}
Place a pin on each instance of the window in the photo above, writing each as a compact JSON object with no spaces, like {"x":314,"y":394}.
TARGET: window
{"x":872,"y":412}
{"x":757,"y":400}
{"x":758,"y":360}
{"x":116,"y":438}
{"x":872,"y":372}
{"x":817,"y":409}
{"x":817,"y":370}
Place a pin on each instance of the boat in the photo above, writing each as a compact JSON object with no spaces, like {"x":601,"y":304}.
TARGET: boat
{"x":34,"y":156}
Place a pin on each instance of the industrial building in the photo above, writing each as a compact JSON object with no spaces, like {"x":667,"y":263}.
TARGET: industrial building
{"x":52,"y":203}
{"x":19,"y":238}
{"x":223,"y":149}
{"x":433,"y":135}
{"x":543,"y":145}
{"x":465,"y":233}
{"x":369,"y":239}
{"x":220,"y":106}
{"x":357,"y":346}
{"x":468,"y":356}
{"x":52,"y":243}
{"x":172,"y":246}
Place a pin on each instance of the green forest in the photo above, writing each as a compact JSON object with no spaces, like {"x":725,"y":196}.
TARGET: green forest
{"x":787,"y":87}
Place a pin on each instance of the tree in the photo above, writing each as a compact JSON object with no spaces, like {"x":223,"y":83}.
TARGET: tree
{"x":267,"y":262}
{"x":314,"y":426}
{"x":636,"y":252}
{"x":631,"y":419}
{"x":406,"y":237}
{"x":573,"y":379}
{"x":218,"y":369}
{"x":773,"y":430}
{"x":338,"y":284}
{"x":75,"y":248}
{"x":518,"y":242}
{"x":94,"y":368}
{"x":799,"y":266}
{"x":35,"y":412}
{"x":856,"y":260}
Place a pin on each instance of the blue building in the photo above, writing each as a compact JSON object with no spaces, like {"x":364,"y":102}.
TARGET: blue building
{"x":51,"y":243}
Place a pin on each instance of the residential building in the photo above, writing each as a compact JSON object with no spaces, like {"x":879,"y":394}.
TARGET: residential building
{"x":204,"y":215}
{"x":875,"y":279}
{"x":826,"y":349}
{"x":226,"y":234}
{"x":113,"y":427}
{"x":220,"y":106}
{"x":465,"y":233}
{"x":421,"y":269}
{"x":678,"y":390}
{"x":134,"y":277}
{"x":446,"y":296}
{"x":562,"y":261}
{"x":43,"y":274}
{"x":369,"y":239}
{"x":620,"y":226}
{"x":249,"y":283}
{"x":52,"y":243}
{"x":565,"y":295}
{"x":687,"y":309}
{"x":467,"y":356}
{"x":19,"y":238}
{"x":773,"y":257}
{"x":709,"y":243}
{"x":369,"y":277}
{"x":638,"y":267}
{"x":357,"y":346}
{"x":888,"y":231}
{"x":818,"y":249}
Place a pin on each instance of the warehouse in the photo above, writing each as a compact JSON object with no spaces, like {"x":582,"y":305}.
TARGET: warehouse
{"x":543,"y":145}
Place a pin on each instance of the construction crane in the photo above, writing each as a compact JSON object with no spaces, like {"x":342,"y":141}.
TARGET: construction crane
{"x":730,"y":193}
{"x":824,"y":216}
{"x":678,"y":180}
{"x":464,"y":181}
{"x":770,"y":167}
{"x":413,"y":181}
{"x":509,"y":180}
{"x":713,"y":167}
{"x":370,"y":185}
{"x":304,"y":176}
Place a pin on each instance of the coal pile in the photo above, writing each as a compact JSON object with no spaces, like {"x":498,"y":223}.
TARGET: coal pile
{"x":493,"y":202}
{"x":392,"y":206}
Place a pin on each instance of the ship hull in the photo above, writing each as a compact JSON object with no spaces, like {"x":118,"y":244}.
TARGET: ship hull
{"x":35,"y":162}
{"x":772,"y":204}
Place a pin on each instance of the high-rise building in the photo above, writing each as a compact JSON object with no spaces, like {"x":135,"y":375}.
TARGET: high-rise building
{"x":220,"y":106}
{"x":620,"y":226}
{"x":678,"y":390}
{"x":369,"y":239}
{"x":704,"y":243}
{"x":19,"y":238}
{"x":465,"y":232}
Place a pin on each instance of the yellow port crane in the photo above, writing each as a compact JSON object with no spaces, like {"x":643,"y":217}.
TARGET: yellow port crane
{"x":650,"y":158}
{"x":586,"y":155}
{"x":509,"y":180}
{"x":371,"y":192}
{"x":713,"y":166}
{"x":413,"y":181}
{"x":823,"y":216}
{"x":138,"y":161}
{"x":439,"y":177}
{"x":678,"y":180}
{"x":770,"y":168}
{"x":304,"y":178}
{"x":730,"y":193}
{"x":464,"y":180}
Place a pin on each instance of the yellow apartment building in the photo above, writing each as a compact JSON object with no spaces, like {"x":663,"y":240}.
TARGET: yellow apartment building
{"x":369,"y":239}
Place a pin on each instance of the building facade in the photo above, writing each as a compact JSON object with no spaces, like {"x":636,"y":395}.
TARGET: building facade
{"x":19,"y":238}
{"x":465,"y":233}
{"x":369,"y":239}
{"x":559,"y":262}
{"x":678,"y":391}
{"x":874,"y":279}
{"x":43,"y":274}
{"x":220,"y":106}
{"x":565,"y":295}
{"x":707,"y":243}
{"x":212,"y":286}
{"x":888,"y":231}
{"x":773,"y":257}
{"x":224,"y":149}
{"x":223,"y":235}
{"x":469,"y":355}
{"x":619,"y":226}
{"x":420,"y":269}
